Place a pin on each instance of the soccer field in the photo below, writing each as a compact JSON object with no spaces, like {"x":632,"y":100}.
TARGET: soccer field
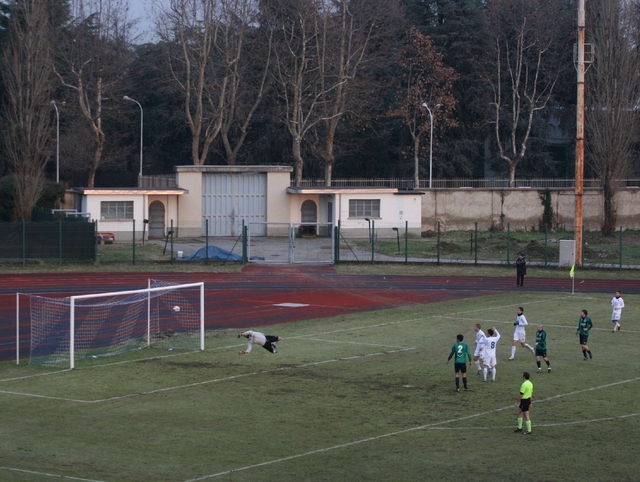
{"x":363,"y":397}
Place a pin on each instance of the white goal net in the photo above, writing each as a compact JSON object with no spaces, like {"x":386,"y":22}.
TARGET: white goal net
{"x":164,"y":315}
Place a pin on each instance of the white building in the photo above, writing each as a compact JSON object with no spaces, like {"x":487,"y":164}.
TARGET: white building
{"x":218,"y":200}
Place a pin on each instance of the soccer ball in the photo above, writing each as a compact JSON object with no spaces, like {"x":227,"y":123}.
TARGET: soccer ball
{"x":176,"y":309}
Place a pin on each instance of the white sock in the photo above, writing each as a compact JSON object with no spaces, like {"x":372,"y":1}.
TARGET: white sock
{"x":478,"y":364}
{"x":484,"y":372}
{"x":529,"y":346}
{"x":494,"y":374}
{"x":513,"y":352}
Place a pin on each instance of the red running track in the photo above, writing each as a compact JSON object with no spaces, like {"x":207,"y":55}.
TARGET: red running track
{"x":249,"y":299}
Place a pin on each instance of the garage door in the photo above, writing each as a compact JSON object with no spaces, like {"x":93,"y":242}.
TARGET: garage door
{"x":228,"y":199}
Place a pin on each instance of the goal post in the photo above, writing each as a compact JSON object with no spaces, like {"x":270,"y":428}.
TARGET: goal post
{"x":163,"y":315}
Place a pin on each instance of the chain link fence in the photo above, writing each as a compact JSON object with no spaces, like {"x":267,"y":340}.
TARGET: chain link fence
{"x":394,"y":243}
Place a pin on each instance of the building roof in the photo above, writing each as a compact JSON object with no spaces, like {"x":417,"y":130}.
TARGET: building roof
{"x":350,"y":190}
{"x":233,"y":169}
{"x":155,"y":191}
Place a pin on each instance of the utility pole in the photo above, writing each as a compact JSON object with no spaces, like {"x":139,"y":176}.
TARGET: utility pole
{"x":579,"y":188}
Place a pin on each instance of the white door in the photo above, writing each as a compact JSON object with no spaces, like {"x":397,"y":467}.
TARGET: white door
{"x":229,"y":199}
{"x":156,"y":220}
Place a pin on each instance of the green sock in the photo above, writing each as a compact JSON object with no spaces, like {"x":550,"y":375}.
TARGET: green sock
{"x":520,"y":422}
{"x":528,"y":423}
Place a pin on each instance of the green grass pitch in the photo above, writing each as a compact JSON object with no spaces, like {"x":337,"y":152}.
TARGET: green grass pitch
{"x":365,"y":397}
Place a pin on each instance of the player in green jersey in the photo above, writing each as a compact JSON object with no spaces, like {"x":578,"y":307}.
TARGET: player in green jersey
{"x":523,"y":403}
{"x":541,"y":348}
{"x":461,"y":352}
{"x":584,"y":326}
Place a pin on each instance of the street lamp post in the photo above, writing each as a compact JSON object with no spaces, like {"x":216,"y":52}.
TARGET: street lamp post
{"x":431,"y":143}
{"x":55,"y":106}
{"x":126,"y":97}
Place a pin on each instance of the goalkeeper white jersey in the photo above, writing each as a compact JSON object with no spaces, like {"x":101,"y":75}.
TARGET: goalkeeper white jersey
{"x":254,"y":337}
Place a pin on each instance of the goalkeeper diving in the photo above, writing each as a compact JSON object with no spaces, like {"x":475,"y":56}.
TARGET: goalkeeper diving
{"x":268,"y":342}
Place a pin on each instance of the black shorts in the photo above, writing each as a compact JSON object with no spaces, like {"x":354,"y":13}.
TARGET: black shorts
{"x":460,"y":367}
{"x":270,"y":345}
{"x":524,"y":404}
{"x":584,"y":339}
{"x":540,"y":352}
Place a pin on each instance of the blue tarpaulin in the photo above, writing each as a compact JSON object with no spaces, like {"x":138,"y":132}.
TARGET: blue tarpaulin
{"x":215,"y":253}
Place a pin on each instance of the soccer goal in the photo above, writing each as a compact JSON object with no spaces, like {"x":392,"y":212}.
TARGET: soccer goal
{"x":163,"y":315}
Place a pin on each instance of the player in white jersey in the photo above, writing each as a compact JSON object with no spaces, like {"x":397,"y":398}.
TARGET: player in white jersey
{"x":490,"y":362}
{"x":618,"y":303}
{"x":268,"y":342}
{"x":478,"y":354}
{"x":519,"y":335}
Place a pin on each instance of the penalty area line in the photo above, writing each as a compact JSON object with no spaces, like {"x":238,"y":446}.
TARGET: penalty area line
{"x":429,"y":426}
{"x":558,"y":424}
{"x":354,"y":343}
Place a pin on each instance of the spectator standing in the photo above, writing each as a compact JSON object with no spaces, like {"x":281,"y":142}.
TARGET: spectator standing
{"x":521,"y":269}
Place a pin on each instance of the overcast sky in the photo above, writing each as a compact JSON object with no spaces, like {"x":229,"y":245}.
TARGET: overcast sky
{"x":142,"y":11}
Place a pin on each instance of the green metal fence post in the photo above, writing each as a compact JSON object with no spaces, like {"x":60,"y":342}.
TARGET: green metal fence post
{"x":373,"y":241}
{"x":406,"y":242}
{"x":95,"y":242}
{"x":338,"y":242}
{"x":508,"y":244}
{"x":133,"y":237}
{"x":172,"y":241}
{"x":206,"y":239}
{"x":583,"y":244}
{"x":60,"y":242}
{"x":24,"y":243}
{"x":620,"y":247}
{"x":546,"y":244}
{"x":476,"y":246}
{"x":438,"y":245}
{"x":244,"y":243}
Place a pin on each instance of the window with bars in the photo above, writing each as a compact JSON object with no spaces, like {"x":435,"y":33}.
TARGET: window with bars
{"x":116,"y":210}
{"x":364,"y":208}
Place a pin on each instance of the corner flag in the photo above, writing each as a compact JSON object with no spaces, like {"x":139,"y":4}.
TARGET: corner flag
{"x":571,"y":272}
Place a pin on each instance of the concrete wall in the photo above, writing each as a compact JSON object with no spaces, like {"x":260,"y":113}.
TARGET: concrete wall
{"x":460,"y":209}
{"x":189,"y":206}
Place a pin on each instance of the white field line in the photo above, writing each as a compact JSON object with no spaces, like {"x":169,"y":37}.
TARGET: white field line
{"x":353,"y":343}
{"x":401,"y":432}
{"x":45,"y":474}
{"x":559,"y":424}
{"x":206,"y":382}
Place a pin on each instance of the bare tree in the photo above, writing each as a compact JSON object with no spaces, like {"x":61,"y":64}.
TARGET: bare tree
{"x":210,"y":42}
{"x":93,"y":53}
{"x":295,"y":38}
{"x":526,"y":37}
{"x":347,"y":32}
{"x":612,"y":97}
{"x":27,"y":72}
{"x":425,"y":80}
